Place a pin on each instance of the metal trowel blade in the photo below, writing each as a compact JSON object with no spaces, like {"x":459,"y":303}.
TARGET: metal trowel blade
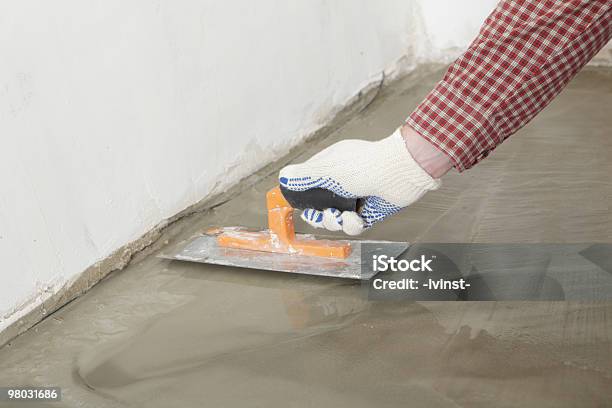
{"x":204,"y":249}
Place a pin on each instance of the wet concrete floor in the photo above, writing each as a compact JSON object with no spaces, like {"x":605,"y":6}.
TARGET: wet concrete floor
{"x":164,"y":334}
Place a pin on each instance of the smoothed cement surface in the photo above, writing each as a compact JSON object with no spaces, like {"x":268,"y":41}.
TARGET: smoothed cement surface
{"x":161,"y":333}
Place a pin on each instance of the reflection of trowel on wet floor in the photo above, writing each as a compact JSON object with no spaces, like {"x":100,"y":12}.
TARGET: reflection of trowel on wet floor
{"x":280,"y":249}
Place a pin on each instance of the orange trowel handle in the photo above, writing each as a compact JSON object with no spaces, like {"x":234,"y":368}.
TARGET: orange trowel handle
{"x":281,"y":238}
{"x":282,"y":201}
{"x":280,"y":222}
{"x":280,"y":216}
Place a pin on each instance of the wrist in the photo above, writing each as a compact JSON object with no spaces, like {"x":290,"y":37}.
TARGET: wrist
{"x":429,"y":157}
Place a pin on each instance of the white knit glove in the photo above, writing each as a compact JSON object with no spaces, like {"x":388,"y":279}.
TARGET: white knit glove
{"x":383,"y":173}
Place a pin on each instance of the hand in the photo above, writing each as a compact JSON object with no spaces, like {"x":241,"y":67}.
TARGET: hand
{"x":383,"y":173}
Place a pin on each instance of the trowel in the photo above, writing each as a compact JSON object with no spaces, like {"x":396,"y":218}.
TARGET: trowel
{"x":280,"y":249}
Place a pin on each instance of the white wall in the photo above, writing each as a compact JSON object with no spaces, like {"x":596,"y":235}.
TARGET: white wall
{"x":115,"y":115}
{"x":448,"y":27}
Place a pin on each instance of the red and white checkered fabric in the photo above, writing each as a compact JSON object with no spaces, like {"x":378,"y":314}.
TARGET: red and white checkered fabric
{"x":525,"y":54}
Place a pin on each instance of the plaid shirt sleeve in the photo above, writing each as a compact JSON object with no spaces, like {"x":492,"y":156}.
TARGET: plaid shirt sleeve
{"x":525,"y":54}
